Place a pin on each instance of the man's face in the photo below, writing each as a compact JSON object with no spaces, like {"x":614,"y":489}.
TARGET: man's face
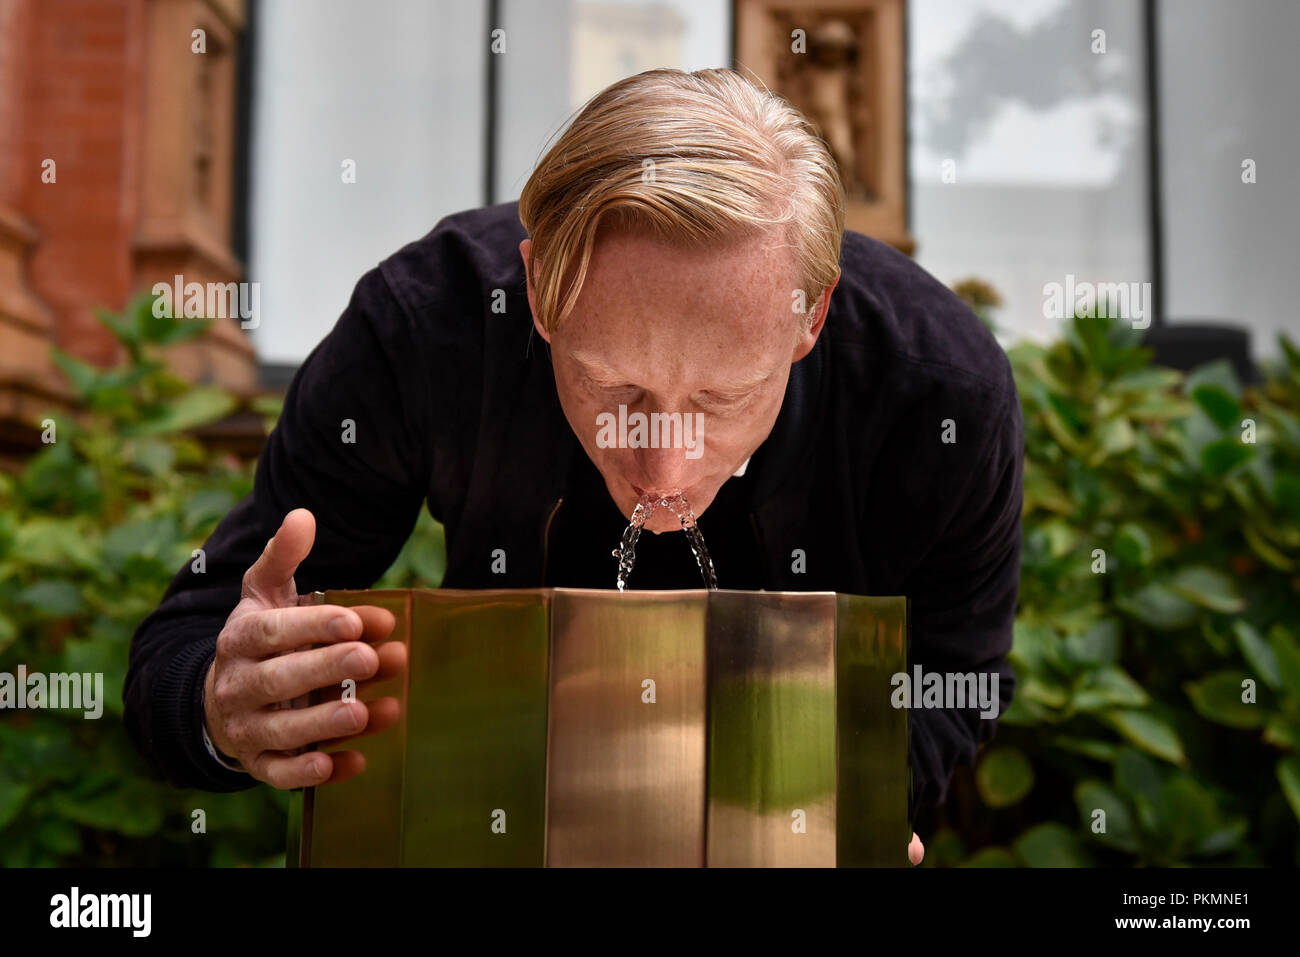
{"x":709,"y":334}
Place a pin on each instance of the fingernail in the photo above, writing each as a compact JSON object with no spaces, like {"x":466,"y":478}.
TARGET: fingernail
{"x":355,"y":662}
{"x":341,"y":627}
{"x":344,"y":719}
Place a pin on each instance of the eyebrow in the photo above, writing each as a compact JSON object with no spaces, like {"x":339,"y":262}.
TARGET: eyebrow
{"x":595,"y":364}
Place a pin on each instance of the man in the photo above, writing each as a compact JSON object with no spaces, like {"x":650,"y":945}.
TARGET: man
{"x":680,"y":250}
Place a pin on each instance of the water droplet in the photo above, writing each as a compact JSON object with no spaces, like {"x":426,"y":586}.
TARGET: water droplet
{"x":676,"y":503}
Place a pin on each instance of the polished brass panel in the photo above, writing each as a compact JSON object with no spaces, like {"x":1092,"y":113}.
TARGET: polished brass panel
{"x":475,"y":791}
{"x":874,"y":776}
{"x":357,"y":823}
{"x":771,"y":674}
{"x":770,"y":740}
{"x":626,"y":775}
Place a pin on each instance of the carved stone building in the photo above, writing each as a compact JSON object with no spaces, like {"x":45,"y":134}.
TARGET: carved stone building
{"x":117,"y":152}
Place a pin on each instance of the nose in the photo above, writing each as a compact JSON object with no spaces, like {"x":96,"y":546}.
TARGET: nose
{"x":662,"y":470}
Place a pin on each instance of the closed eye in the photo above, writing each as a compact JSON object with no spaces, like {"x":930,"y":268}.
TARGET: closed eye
{"x":724,"y":401}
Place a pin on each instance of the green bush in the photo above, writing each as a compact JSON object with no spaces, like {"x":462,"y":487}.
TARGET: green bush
{"x":1161,"y":570}
{"x":91,"y":532}
{"x":1155,"y":642}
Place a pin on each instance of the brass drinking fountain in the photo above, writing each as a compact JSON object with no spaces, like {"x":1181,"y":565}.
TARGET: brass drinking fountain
{"x":587,"y":727}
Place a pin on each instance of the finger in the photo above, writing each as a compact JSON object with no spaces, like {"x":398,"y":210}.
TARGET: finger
{"x":273,"y":631}
{"x":291,"y":728}
{"x":311,"y":769}
{"x":384,"y":713}
{"x":376,"y":623}
{"x":286,"y":771}
{"x":392,"y":662}
{"x":915,"y":850}
{"x":346,"y":764}
{"x":284,"y":677}
{"x":269,"y":577}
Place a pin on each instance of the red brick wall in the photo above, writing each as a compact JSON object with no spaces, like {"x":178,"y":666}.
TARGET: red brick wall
{"x":80,"y":98}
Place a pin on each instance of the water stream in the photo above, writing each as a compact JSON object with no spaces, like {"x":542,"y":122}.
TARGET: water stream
{"x":676,"y":503}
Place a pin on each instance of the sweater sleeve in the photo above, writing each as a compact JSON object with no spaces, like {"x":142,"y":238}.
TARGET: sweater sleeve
{"x":963,"y":594}
{"x":351,"y":447}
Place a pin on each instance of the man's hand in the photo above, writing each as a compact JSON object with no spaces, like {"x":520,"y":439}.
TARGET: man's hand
{"x":264,"y":658}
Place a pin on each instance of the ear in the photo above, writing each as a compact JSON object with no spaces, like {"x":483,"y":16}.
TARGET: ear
{"x":817,"y":318}
{"x":525,"y":250}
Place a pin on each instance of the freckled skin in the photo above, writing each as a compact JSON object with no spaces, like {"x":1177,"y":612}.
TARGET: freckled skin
{"x":660,"y":328}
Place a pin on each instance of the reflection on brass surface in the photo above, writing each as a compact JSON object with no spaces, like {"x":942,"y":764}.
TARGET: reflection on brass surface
{"x":650,"y":728}
{"x":475,"y":790}
{"x":874,"y":777}
{"x":771,"y":729}
{"x":626,"y":781}
{"x":356,"y":823}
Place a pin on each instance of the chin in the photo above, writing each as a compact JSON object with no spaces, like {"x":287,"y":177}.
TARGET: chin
{"x":663,"y":521}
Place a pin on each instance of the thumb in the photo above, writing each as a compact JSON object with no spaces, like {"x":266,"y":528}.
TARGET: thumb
{"x":273,"y":571}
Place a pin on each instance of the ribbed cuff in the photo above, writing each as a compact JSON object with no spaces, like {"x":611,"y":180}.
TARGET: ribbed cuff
{"x":178,"y":727}
{"x":207,"y":738}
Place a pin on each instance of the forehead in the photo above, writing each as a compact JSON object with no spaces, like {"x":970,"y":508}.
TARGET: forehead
{"x":726,"y":303}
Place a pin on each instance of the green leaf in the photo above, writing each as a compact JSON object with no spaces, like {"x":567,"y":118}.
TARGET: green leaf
{"x":1224,"y":839}
{"x":1099,"y":645}
{"x":147,"y":537}
{"x":1089,"y":748}
{"x":1150,"y":379}
{"x":1260,"y":546}
{"x":1208,"y":588}
{"x":128,"y":806}
{"x":13,"y":795}
{"x":1004,"y":777}
{"x":1109,"y":687}
{"x":59,"y":836}
{"x":1218,"y":373}
{"x":1118,"y":828}
{"x":202,"y":405}
{"x":1288,"y":774}
{"x":55,"y":543}
{"x":83,"y":377}
{"x":8,"y":631}
{"x":1114,"y":437}
{"x":153,"y":457}
{"x":1137,"y":775}
{"x":1288,"y":659}
{"x":1188,"y":814}
{"x":1283,"y":732}
{"x":1149,"y":733}
{"x":1221,"y":457}
{"x":1034,"y":648}
{"x":1218,"y":698}
{"x":1160,"y":607}
{"x":52,"y":598}
{"x":1133,"y":545}
{"x":1258,"y":654}
{"x":1218,"y":404}
{"x":1050,"y":845}
{"x":1286,"y":491}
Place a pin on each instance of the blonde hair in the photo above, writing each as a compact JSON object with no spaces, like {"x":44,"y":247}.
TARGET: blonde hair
{"x":692,"y":158}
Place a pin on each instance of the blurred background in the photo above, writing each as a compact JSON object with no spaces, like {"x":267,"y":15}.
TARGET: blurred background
{"x":1141,"y":146}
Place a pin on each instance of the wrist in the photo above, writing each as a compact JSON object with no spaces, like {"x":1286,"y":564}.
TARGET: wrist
{"x":225,"y":760}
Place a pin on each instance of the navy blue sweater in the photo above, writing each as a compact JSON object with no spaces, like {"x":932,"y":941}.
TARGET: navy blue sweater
{"x":455,"y":406}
